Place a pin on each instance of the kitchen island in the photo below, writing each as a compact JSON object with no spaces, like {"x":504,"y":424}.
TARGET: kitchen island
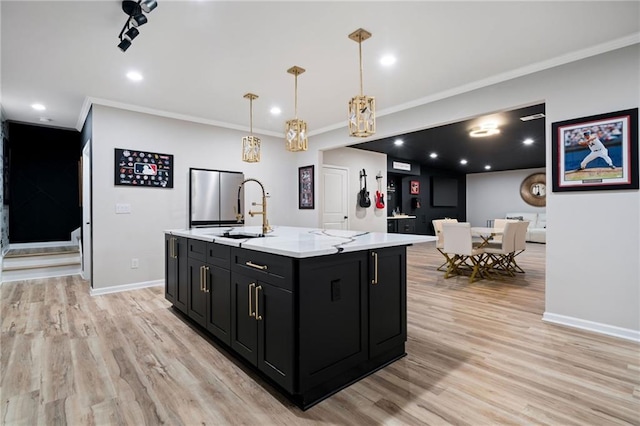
{"x":311,"y":310}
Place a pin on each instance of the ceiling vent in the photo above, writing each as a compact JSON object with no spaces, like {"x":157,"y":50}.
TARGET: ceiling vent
{"x":532,"y":117}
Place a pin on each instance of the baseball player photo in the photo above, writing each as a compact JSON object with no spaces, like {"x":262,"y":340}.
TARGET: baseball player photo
{"x":597,"y":148}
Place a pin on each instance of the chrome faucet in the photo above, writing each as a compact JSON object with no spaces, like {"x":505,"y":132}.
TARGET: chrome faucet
{"x":265,"y":223}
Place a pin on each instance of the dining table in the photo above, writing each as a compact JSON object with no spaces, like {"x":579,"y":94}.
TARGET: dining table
{"x":486,"y":234}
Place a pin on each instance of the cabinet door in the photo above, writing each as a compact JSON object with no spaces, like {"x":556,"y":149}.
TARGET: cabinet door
{"x":274,"y":317}
{"x":170,"y":269}
{"x":197,"y":301}
{"x":218,"y":285}
{"x":182,"y":284}
{"x":333,"y":321}
{"x":244,"y":329}
{"x":387,"y":299}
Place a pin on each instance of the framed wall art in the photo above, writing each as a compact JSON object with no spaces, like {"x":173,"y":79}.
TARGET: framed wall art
{"x":599,"y":152}
{"x":142,"y":168}
{"x":414,"y":187}
{"x":305,"y":187}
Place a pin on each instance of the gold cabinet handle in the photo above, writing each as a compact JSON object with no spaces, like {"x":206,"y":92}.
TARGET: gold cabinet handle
{"x":253,"y":265}
{"x":175,"y":248}
{"x":374,"y":281}
{"x":257,"y":315}
{"x":201,"y":280}
{"x":251,"y":287}
{"x":207,"y":284}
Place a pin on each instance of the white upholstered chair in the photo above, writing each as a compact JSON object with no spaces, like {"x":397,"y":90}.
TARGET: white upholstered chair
{"x":437,"y":227}
{"x":500,"y":255}
{"x":460,"y":251}
{"x":520,"y":243}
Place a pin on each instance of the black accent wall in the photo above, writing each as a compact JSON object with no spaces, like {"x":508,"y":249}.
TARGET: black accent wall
{"x":44,"y":204}
{"x":427,"y":211}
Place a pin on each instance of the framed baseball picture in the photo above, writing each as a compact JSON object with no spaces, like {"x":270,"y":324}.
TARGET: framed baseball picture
{"x":305,"y":187}
{"x":596,"y":153}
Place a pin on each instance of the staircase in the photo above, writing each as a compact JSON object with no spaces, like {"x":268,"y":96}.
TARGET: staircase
{"x":45,"y":260}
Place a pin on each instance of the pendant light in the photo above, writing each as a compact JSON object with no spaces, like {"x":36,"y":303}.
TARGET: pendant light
{"x":251,"y":144}
{"x":296,"y":130}
{"x":362,"y":109}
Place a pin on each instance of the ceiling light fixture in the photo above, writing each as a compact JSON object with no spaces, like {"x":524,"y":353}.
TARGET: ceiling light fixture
{"x":486,"y":129}
{"x":275,"y":111}
{"x":135,"y":18}
{"x":398,"y":142}
{"x":532,"y":117}
{"x":296,"y":130}
{"x":362,"y":109}
{"x":250,"y":144}
{"x":388,"y":60}
{"x":487,"y":167}
{"x":527,"y":141}
{"x":38,"y":107}
{"x":463,"y":161}
{"x":433,"y":155}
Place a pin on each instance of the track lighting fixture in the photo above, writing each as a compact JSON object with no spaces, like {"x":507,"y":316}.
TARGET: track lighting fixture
{"x":134,"y":10}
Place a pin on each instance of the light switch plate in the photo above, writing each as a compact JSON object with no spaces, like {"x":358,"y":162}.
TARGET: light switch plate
{"x":123,"y":208}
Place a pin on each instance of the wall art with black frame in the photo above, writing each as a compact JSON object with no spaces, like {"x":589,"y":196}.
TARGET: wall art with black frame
{"x":143,"y":168}
{"x":596,"y":153}
{"x":305,"y":187}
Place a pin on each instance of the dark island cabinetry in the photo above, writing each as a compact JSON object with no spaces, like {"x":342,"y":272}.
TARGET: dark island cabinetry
{"x":312,"y":326}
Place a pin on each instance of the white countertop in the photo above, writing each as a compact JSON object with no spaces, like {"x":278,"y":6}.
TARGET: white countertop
{"x":302,"y":242}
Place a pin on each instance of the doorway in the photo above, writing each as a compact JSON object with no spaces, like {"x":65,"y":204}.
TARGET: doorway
{"x":86,"y":212}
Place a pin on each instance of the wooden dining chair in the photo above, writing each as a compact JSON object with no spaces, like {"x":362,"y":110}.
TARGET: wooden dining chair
{"x":459,"y":247}
{"x":437,"y":227}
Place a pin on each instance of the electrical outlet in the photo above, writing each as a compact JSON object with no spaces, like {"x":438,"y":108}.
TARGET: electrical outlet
{"x":134,"y":263}
{"x":123,"y":208}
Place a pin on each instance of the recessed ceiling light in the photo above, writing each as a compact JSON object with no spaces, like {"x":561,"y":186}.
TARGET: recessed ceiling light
{"x":487,"y":167}
{"x":45,"y":119}
{"x":532,"y":117}
{"x":398,"y":142}
{"x":134,"y":76}
{"x":388,"y":60}
{"x":275,"y":111}
{"x":38,"y":107}
{"x":433,"y":155}
{"x":463,"y":161}
{"x":528,"y":141}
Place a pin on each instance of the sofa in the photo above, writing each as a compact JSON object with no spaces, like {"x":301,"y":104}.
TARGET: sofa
{"x":537,"y":230}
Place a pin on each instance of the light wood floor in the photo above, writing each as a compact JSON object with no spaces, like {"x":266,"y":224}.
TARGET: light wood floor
{"x":478,"y":354}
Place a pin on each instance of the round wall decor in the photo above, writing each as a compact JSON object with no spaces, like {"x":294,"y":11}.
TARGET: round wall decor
{"x":534,"y":190}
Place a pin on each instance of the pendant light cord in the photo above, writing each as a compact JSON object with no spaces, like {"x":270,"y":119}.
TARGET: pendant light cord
{"x":296,"y":97}
{"x":251,"y":116}
{"x":360,"y":52}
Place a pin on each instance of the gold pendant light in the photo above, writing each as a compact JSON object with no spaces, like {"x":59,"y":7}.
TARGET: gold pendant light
{"x":362,"y":109}
{"x":251,"y":144}
{"x":295,"y":131}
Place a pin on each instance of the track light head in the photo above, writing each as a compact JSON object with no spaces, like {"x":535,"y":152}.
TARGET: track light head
{"x":124,"y":44}
{"x":137,"y":20}
{"x":132,"y":33}
{"x":148,"y":5}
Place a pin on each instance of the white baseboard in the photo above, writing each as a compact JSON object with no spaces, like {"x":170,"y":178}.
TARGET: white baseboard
{"x":125,"y":287}
{"x":596,"y":327}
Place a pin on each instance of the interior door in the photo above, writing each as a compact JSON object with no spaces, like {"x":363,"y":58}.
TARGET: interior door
{"x":86,"y":212}
{"x":335,"y":204}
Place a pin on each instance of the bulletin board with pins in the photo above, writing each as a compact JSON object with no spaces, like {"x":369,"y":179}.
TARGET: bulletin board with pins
{"x":142,"y":168}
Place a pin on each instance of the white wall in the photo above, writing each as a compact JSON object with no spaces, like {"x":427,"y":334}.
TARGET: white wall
{"x":119,"y":238}
{"x":361,"y":219}
{"x":491,"y":195}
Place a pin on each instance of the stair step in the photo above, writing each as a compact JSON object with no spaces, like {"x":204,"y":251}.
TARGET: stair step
{"x":39,"y":266}
{"x":38,"y":273}
{"x":30,"y":262}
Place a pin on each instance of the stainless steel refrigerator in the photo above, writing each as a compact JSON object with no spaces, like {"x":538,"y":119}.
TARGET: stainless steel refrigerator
{"x":213,"y":197}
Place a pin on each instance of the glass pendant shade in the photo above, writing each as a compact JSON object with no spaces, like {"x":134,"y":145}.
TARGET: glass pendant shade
{"x":362,"y":109}
{"x":251,"y":149}
{"x":251,"y":144}
{"x":362,"y":116}
{"x":295,"y":132}
{"x":296,"y":135}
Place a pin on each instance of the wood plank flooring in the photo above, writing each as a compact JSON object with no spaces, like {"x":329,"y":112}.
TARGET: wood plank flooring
{"x":478,"y":354}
